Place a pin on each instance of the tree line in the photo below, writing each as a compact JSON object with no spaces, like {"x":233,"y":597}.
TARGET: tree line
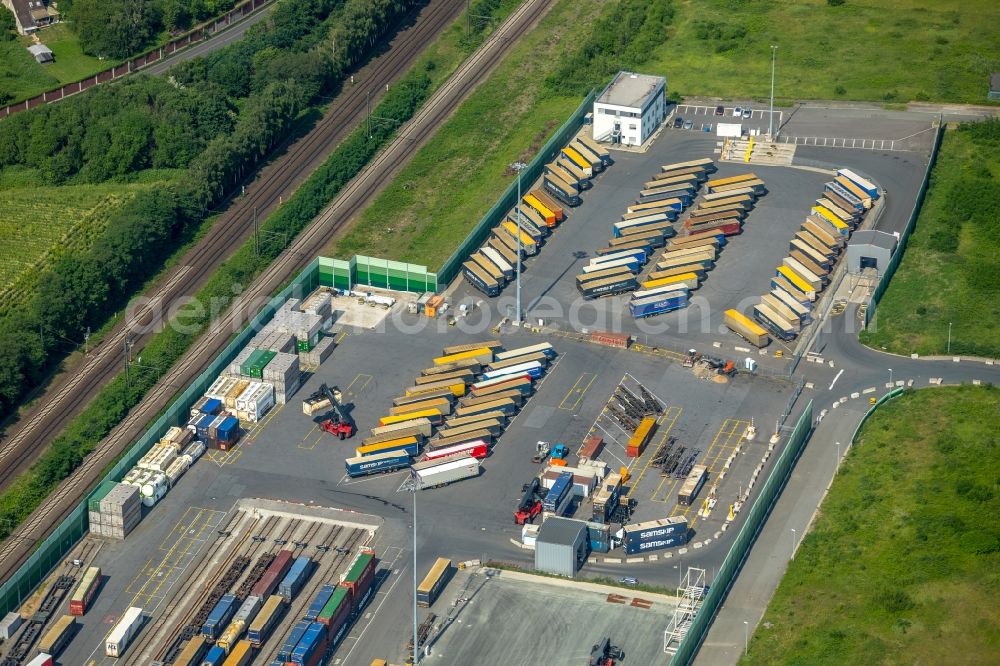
{"x":216,"y":118}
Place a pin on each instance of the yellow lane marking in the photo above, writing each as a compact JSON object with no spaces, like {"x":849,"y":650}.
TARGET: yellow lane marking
{"x":575,"y":394}
{"x":729,"y":435}
{"x":665,"y":424}
{"x":255,"y":432}
{"x":363,"y":379}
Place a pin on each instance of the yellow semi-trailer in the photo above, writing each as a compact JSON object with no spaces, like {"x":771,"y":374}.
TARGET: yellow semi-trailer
{"x":579,"y":160}
{"x":528,"y":226}
{"x":690,"y":280}
{"x":592,"y":158}
{"x":810,"y":265}
{"x":746,"y":328}
{"x":796,"y":281}
{"x":472,"y":346}
{"x":835,"y":223}
{"x":456,"y":387}
{"x":482,"y":355}
{"x":787,"y":313}
{"x":815,"y":281}
{"x":528,"y":245}
{"x":845,"y":217}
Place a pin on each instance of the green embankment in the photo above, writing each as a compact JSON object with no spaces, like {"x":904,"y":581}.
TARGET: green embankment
{"x":901,"y":566}
{"x":950,"y":273}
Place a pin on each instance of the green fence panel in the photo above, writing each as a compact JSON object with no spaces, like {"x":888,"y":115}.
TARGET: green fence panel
{"x":744,"y":540}
{"x":904,"y":237}
{"x":529,"y":174}
{"x":55,"y":547}
{"x":376,"y":272}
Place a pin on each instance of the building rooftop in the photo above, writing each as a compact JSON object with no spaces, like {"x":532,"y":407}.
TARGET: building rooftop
{"x":630,"y":89}
{"x":876,"y":238}
{"x":563,"y":531}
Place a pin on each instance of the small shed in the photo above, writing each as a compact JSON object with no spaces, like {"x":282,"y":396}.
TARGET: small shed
{"x":870,"y":249}
{"x":561,"y":546}
{"x":994,"y":87}
{"x":42,"y":53}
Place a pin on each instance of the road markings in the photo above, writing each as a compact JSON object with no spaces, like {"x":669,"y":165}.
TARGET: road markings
{"x":836,"y":378}
{"x":358,"y":384}
{"x":575,"y":395}
{"x":258,"y":427}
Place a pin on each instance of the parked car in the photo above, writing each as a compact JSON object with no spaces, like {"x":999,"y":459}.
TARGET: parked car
{"x":678,"y":122}
{"x":747,"y":113}
{"x":719,"y":111}
{"x":688,"y":125}
{"x":628,"y":580}
{"x":737,"y":112}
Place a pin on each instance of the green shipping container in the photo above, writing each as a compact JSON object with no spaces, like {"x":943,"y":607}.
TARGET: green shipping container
{"x":102,"y":491}
{"x":305,"y":345}
{"x":254,"y":366}
{"x":355,"y":573}
{"x":333,"y":605}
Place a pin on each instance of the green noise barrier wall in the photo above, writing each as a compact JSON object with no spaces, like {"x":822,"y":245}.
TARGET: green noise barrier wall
{"x":51,"y":552}
{"x":744,"y":540}
{"x":529,"y":174}
{"x":363,"y":271}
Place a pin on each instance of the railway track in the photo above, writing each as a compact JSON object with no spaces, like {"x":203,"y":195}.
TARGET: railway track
{"x":305,"y":247}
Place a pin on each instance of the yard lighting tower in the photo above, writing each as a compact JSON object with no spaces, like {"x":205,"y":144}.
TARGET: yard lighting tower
{"x":518,"y":167}
{"x":413,"y":488}
{"x":770,"y":116}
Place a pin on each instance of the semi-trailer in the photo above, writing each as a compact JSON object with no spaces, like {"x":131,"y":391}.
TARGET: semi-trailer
{"x":440,"y":472}
{"x":818,"y":228}
{"x":443,"y":405}
{"x":654,"y":235}
{"x":570,"y":154}
{"x":533,"y":202}
{"x":715,"y":183}
{"x":796,"y":281}
{"x":540,"y":355}
{"x":592,"y":158}
{"x":666,"y":229}
{"x":479,"y":279}
{"x":800,"y":309}
{"x":685,"y":194}
{"x":692,"y":179}
{"x":820,"y":259}
{"x":597,"y":149}
{"x":656,"y":209}
{"x":520,"y":382}
{"x":432,"y":584}
{"x":744,"y":199}
{"x":834,"y":223}
{"x":493,"y":426}
{"x":560,"y":189}
{"x":629,"y":262}
{"x":549,"y":202}
{"x":655,"y":305}
{"x":757,"y":185}
{"x":651,"y":530}
{"x":746,"y":328}
{"x":477,"y":448}
{"x":457,"y":374}
{"x":690,"y":280}
{"x":807,"y":238}
{"x":674,"y":204}
{"x":822,"y":272}
{"x":814,"y":281}
{"x":774,"y":322}
{"x":692,"y":484}
{"x":491,"y":269}
{"x":727,"y":227}
{"x":629,"y":244}
{"x":782,"y":309}
{"x":123,"y":632}
{"x":661,"y":219}
{"x":493,"y":415}
{"x":608,"y":286}
{"x":696,"y":268}
{"x":417,"y":425}
{"x":704,"y":163}
{"x":703,"y":241}
{"x":728,"y":194}
{"x":505,"y":405}
{"x":805,"y":297}
{"x":702,"y":259}
{"x":526,"y":244}
{"x":532,"y":368}
{"x":375,"y":463}
{"x":674,"y":252}
{"x":862,"y":183}
{"x":500,"y":238}
{"x":409,"y":445}
{"x":482,"y":434}
{"x":570,"y":172}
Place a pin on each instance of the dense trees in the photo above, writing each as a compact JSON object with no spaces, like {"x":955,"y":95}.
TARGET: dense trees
{"x":8,"y":26}
{"x":216,"y":118}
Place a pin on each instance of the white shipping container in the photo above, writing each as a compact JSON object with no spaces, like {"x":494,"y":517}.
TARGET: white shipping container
{"x":11,"y":621}
{"x":123,"y":632}
{"x":241,"y":358}
{"x":195,"y":451}
{"x":177,"y":469}
{"x":153,"y":489}
{"x":159,"y":457}
{"x":260,"y":403}
{"x":220,"y":387}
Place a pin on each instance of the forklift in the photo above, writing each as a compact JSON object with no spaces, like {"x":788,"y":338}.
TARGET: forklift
{"x":336,"y":421}
{"x":605,"y":654}
{"x":529,"y":506}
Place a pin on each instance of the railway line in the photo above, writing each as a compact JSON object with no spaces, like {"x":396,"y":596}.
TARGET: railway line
{"x":375,"y":176}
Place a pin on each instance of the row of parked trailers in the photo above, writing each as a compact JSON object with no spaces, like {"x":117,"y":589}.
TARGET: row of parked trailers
{"x":453,"y":413}
{"x":812,"y":256}
{"x":523,"y":231}
{"x":645,"y":227}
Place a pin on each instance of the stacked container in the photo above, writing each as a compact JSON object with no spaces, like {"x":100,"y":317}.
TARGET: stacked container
{"x":206,"y":405}
{"x":296,"y":577}
{"x":284,"y":373}
{"x":177,"y":469}
{"x":220,"y":388}
{"x":270,"y":338}
{"x":114,"y":510}
{"x":318,"y":354}
{"x":654,"y":535}
{"x":160,"y":457}
{"x":360,"y":575}
{"x":255,"y":363}
{"x":235,"y":391}
{"x":256,"y":401}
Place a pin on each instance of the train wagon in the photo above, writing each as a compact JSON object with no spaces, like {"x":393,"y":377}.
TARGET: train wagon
{"x":432,"y":584}
{"x":123,"y":632}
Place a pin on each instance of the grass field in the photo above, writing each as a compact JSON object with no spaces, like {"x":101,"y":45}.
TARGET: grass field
{"x":457,"y":176}
{"x":901,"y":566}
{"x":21,"y":77}
{"x":950,"y":272}
{"x":872,"y":50}
{"x":39,"y":223}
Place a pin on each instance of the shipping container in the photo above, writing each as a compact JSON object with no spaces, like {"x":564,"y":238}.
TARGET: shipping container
{"x":123,"y":632}
{"x":336,"y":610}
{"x":432,"y":584}
{"x":360,"y":575}
{"x":58,"y":636}
{"x":296,"y":577}
{"x":220,"y":615}
{"x":268,"y":617}
{"x":616,"y":340}
{"x":310,"y":649}
{"x":10,"y":623}
{"x":639,"y":547}
{"x":692,"y":484}
{"x":285,"y":653}
{"x":215,"y":656}
{"x":480,"y":279}
{"x":42,"y":659}
{"x":560,"y":495}
{"x":640,"y":438}
{"x":435,"y":473}
{"x":318,"y":602}
{"x":591,"y":447}
{"x":746,"y":328}
{"x":85,"y":591}
{"x":193,"y":651}
{"x":242,"y":655}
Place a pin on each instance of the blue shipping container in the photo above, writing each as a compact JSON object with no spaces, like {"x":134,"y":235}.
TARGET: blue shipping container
{"x":318,"y":602}
{"x":637,"y":547}
{"x":285,"y":654}
{"x":219,"y":616}
{"x":361,"y":466}
{"x":214,"y":657}
{"x":561,"y":486}
{"x":297,"y":575}
{"x":202,"y":424}
{"x":655,"y":529}
{"x":229,"y":429}
{"x":311,"y":641}
{"x":210,"y":406}
{"x":599,"y":546}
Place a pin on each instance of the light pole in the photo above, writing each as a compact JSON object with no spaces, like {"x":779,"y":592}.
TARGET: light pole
{"x":413,"y":488}
{"x":793,"y":543}
{"x":949,"y":337}
{"x":770,"y":116}
{"x":518,"y":166}
{"x":890,"y":378}
{"x":838,"y":454}
{"x":746,"y":637}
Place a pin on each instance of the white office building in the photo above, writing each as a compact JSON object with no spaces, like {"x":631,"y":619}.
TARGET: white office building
{"x":630,"y":109}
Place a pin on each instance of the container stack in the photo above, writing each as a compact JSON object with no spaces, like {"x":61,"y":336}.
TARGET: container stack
{"x":114,"y":510}
{"x":152,"y":485}
{"x":284,"y":375}
{"x":255,"y":401}
{"x":654,"y":535}
{"x":160,"y":457}
{"x":318,"y":354}
{"x":218,"y":432}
